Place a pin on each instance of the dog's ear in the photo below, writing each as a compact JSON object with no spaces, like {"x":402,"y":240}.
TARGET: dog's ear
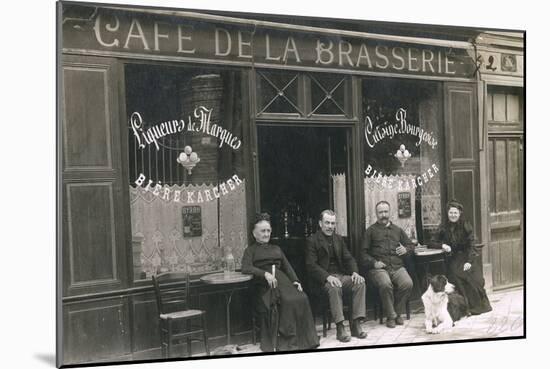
{"x":428,"y":279}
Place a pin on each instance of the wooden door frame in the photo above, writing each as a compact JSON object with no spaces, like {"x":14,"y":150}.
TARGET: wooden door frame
{"x":351,"y":186}
{"x":356,"y":213}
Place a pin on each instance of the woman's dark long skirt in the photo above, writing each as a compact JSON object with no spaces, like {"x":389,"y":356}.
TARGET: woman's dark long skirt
{"x":469,"y":284}
{"x":296,"y":327}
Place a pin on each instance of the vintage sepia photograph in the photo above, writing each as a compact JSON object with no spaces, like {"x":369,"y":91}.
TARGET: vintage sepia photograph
{"x":241,"y":184}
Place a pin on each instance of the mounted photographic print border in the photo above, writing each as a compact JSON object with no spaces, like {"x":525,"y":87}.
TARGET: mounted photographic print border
{"x":303,"y":184}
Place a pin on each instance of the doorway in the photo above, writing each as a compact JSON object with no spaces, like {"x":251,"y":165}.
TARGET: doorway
{"x":302,"y":171}
{"x":505,"y":171}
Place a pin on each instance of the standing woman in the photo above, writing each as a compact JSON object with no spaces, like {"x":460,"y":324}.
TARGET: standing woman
{"x":455,"y":236}
{"x":296,"y":328}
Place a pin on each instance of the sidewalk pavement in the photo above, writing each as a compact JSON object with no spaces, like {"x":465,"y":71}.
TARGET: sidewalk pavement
{"x":505,"y":320}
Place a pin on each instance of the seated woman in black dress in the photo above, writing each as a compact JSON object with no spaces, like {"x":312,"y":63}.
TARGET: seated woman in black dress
{"x":282,"y":291}
{"x":455,"y":236}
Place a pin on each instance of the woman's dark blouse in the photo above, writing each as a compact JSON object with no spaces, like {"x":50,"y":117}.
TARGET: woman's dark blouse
{"x":258,"y":259}
{"x":460,"y":242}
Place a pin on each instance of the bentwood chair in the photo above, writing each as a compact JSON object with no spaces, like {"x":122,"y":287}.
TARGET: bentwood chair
{"x":177,"y":321}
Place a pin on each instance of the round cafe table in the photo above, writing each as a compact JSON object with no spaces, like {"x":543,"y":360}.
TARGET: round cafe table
{"x":425,"y":258}
{"x":231,"y":280}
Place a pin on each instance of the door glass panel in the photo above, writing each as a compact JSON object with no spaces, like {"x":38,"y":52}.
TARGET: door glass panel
{"x":504,"y":106}
{"x":499,"y":107}
{"x":512,"y":108}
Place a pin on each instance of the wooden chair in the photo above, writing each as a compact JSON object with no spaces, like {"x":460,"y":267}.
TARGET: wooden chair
{"x":175,"y":318}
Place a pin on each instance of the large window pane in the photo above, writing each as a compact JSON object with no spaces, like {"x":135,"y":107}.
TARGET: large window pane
{"x":404,"y":152}
{"x":187,"y":185}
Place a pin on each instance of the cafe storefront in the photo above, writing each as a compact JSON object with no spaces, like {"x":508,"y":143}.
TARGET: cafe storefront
{"x":177,"y":127}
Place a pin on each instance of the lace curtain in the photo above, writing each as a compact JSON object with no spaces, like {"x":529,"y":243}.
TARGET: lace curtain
{"x":158,"y":242}
{"x":375,"y":191}
{"x":340,"y":208}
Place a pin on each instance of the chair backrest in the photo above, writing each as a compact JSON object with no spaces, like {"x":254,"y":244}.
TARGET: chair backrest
{"x":171,"y":291}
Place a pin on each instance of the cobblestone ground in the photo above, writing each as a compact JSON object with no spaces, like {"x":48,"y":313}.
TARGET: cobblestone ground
{"x":506,"y":320}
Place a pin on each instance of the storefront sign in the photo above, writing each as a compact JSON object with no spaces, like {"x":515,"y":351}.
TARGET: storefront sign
{"x":136,"y":34}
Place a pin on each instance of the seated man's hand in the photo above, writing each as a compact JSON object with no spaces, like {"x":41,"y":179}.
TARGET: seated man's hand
{"x":379,"y":265}
{"x":298,"y":286}
{"x":334,"y":282}
{"x":401,"y":250}
{"x":446,"y":247}
{"x":357,"y":279}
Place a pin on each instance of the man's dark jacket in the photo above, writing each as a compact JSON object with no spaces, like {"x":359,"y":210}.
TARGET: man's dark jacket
{"x":318,"y":259}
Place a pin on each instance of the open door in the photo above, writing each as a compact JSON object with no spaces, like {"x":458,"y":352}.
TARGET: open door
{"x":302,"y":171}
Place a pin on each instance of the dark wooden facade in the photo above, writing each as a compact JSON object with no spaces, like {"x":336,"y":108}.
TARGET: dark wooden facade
{"x":462,"y":143}
{"x":106,"y":316}
{"x":502,"y":157}
{"x":109,"y":316}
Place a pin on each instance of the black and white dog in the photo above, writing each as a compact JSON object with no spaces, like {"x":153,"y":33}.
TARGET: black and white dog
{"x":442,"y":305}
